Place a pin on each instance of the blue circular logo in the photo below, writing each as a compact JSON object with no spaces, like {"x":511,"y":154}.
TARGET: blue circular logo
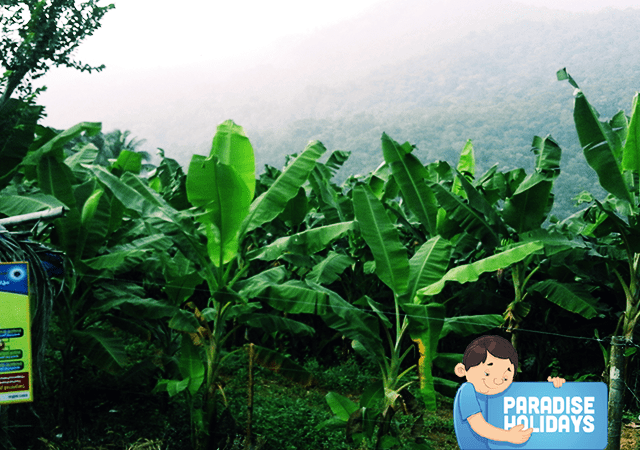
{"x":17,"y":273}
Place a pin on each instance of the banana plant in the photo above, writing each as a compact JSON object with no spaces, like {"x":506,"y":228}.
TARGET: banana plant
{"x":96,"y":241}
{"x":221,"y":188}
{"x":393,"y":269}
{"x":612,"y":150}
{"x":465,"y":214}
{"x":473,"y":210}
{"x":406,"y":279}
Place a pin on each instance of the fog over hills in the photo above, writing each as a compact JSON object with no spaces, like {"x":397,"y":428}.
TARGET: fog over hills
{"x":435,"y":76}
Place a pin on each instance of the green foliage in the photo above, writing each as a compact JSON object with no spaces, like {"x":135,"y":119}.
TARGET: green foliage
{"x":392,"y":264}
{"x":18,"y":121}
{"x":39,"y":35}
{"x":192,"y":263}
{"x":471,"y":272}
{"x":354,"y":375}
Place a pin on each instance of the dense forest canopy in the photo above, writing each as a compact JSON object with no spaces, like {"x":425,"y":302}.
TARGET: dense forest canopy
{"x":497,"y":88}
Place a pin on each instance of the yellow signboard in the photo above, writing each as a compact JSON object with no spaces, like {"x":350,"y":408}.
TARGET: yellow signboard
{"x":15,"y":334}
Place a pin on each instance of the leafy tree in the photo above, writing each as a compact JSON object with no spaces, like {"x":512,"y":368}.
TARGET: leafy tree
{"x":118,"y":140}
{"x":37,"y":35}
{"x":109,"y":146}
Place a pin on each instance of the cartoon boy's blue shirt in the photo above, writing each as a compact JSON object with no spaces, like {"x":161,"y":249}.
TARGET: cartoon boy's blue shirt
{"x":467,"y":403}
{"x":571,"y":417}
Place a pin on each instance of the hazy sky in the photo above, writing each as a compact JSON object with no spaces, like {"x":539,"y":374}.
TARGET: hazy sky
{"x":158,"y":33}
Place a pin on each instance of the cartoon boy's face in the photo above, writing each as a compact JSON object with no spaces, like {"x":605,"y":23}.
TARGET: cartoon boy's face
{"x":491,"y":377}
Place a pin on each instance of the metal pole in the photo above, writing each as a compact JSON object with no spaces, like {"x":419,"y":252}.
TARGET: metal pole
{"x":51,"y":214}
{"x":616,"y":392}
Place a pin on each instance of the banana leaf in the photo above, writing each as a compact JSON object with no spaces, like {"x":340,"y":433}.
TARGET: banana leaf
{"x":326,"y":194}
{"x":136,"y":249}
{"x":481,"y":204}
{"x":15,"y":205}
{"x":571,"y":297}
{"x":470,"y":325}
{"x":530,"y":204}
{"x":410,"y":175}
{"x":392,"y":263}
{"x":219,"y":189}
{"x":55,"y":178}
{"x":527,"y":209}
{"x":85,"y":155}
{"x":146,"y":308}
{"x":351,"y":321}
{"x":548,"y":154}
{"x":305,"y":243}
{"x":471,"y":272}
{"x":296,"y":209}
{"x":596,"y":139}
{"x":447,"y":361}
{"x":294,"y":297}
{"x":232,"y":148}
{"x":127,"y":161}
{"x":493,"y":185}
{"x":631,"y":152}
{"x":179,"y":287}
{"x":329,"y":269}
{"x":466,"y":168}
{"x":101,"y":348}
{"x":185,"y":321}
{"x":446,"y":387}
{"x":341,"y":406}
{"x":467,"y":217}
{"x":336,"y":160}
{"x":256,"y":284}
{"x":54,"y":147}
{"x":191,"y":365}
{"x":96,"y":213}
{"x":130,"y":191}
{"x":427,"y":266}
{"x":270,"y":204}
{"x":146,"y":204}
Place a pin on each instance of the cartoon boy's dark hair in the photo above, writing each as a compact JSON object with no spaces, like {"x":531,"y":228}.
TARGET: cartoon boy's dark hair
{"x":476,"y":352}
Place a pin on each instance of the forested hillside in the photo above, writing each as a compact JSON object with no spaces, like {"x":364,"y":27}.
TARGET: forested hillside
{"x":497,"y":88}
{"x":435,"y":76}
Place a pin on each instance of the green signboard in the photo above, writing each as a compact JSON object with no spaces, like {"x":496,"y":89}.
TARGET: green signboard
{"x":15,"y":334}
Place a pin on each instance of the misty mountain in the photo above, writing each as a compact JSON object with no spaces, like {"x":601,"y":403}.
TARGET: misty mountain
{"x":435,"y":75}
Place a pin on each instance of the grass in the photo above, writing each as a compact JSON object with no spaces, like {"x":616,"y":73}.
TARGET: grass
{"x":286,"y":414}
{"x":110,"y":416}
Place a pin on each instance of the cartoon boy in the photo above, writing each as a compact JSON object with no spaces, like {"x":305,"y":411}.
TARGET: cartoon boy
{"x":489,"y":364}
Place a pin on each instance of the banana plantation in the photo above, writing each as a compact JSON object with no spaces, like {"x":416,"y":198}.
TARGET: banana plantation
{"x":165,"y":299}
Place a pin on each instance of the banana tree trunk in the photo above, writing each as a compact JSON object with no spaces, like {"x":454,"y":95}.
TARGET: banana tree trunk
{"x":616,"y":392}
